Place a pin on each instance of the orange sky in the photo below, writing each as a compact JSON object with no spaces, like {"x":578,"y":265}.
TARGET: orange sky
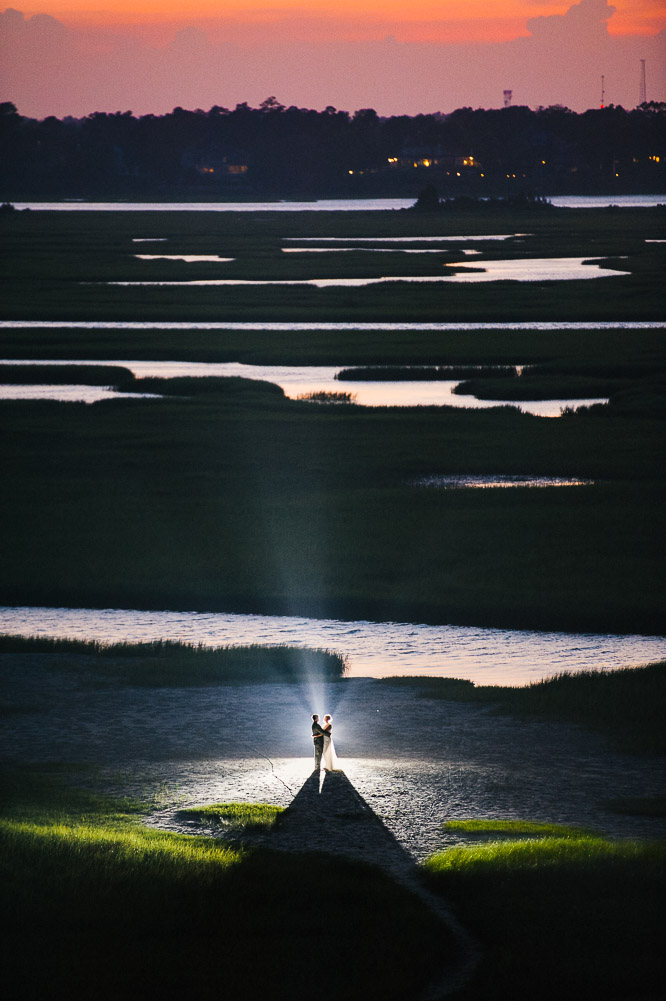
{"x":418,"y":20}
{"x":153,"y":55}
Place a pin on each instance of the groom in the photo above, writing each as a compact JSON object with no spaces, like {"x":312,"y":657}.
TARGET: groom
{"x":318,"y":738}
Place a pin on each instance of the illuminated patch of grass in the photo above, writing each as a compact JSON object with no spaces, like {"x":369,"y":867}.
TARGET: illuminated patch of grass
{"x":111,"y":909}
{"x":252,"y":816}
{"x":559,"y":917}
{"x":508,"y":857}
{"x":514,"y":827}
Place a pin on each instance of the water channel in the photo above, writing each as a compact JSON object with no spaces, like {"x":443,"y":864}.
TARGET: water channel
{"x":523,"y":270}
{"x":322,"y":205}
{"x":373,"y":649}
{"x":295,"y":380}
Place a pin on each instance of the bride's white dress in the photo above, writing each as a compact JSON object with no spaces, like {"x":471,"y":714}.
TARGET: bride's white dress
{"x":329,"y":759}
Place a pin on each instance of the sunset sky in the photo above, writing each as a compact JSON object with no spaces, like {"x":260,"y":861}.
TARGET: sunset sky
{"x":75,"y":56}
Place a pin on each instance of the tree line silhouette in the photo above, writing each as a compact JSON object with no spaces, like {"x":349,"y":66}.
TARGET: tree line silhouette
{"x":282,"y":152}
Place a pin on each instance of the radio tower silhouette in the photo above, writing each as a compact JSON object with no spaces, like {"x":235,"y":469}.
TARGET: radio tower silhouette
{"x":508,"y":94}
{"x":603,"y":92}
{"x":642,"y":94}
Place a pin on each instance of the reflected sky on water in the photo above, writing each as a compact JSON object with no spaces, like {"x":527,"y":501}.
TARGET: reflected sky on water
{"x":286,"y":325}
{"x":374,"y":649}
{"x":522,"y":270}
{"x":295,"y":380}
{"x":321,"y":205}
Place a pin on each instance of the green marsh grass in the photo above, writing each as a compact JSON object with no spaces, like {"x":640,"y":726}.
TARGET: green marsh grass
{"x":58,"y":262}
{"x":175,"y":663}
{"x":559,"y":916}
{"x":327,"y":396}
{"x":626,"y":705}
{"x":255,"y":503}
{"x":241,"y":500}
{"x":249,"y":816}
{"x":506,"y":828}
{"x":96,"y":905}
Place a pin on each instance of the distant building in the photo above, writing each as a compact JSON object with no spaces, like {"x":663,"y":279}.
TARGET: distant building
{"x":428,"y":158}
{"x":216,"y":163}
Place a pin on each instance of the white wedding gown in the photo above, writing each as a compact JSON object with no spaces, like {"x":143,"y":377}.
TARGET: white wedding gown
{"x":329,"y":759}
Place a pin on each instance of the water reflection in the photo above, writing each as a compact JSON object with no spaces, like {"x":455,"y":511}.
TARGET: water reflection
{"x":322,"y":205}
{"x":68,"y":393}
{"x":398,"y":239}
{"x":281,"y":325}
{"x":376,"y":649}
{"x":188,"y":258}
{"x":498,"y":482}
{"x":522,"y":270}
{"x":296,"y":381}
{"x":367,"y":250}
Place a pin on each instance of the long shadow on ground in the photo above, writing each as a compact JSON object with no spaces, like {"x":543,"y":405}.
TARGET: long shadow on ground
{"x":328,"y":815}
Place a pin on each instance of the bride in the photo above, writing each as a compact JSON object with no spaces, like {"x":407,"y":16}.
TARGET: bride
{"x":329,"y":759}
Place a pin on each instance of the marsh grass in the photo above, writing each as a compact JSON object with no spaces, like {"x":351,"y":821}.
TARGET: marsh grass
{"x":626,"y":705}
{"x":206,"y":385}
{"x":165,"y":663}
{"x":328,"y":396}
{"x":257,"y":503}
{"x":95,"y":905}
{"x":248,"y":816}
{"x":422,"y":373}
{"x":509,"y":828}
{"x":614,"y":353}
{"x":575,"y":916}
{"x":53,"y":375}
{"x":58,"y":262}
{"x":523,"y":387}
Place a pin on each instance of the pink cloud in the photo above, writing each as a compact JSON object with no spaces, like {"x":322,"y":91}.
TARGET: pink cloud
{"x":50,"y":69}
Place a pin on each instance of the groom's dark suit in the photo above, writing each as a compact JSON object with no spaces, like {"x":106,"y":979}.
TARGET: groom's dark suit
{"x":318,"y":737}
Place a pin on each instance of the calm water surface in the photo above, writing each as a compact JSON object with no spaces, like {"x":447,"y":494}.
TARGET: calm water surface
{"x":528,"y":270}
{"x":323,"y":205}
{"x":289,"y":325}
{"x":295,"y":380}
{"x":374,"y":649}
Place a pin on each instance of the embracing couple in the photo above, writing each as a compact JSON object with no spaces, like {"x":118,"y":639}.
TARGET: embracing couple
{"x":324,"y":751}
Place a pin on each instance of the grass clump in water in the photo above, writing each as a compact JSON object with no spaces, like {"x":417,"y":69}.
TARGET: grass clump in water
{"x":207,"y":385}
{"x":328,"y":396}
